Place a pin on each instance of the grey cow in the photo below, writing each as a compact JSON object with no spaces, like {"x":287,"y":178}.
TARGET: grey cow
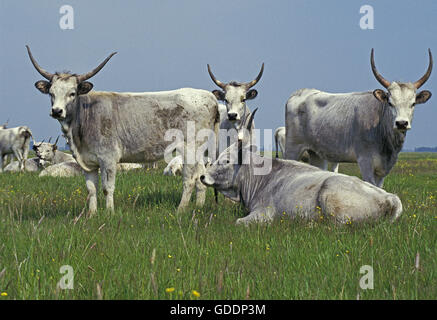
{"x":105,"y":128}
{"x":235,"y":94}
{"x":295,"y":189}
{"x":280,"y":143}
{"x":364,"y":127}
{"x":15,"y":141}
{"x":49,"y":153}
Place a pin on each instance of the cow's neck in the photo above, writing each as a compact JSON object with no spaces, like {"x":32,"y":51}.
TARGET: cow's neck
{"x":70,"y":128}
{"x":391,"y":141}
{"x":248,"y":184}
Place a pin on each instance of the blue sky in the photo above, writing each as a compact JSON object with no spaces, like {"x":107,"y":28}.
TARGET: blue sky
{"x":166,"y":45}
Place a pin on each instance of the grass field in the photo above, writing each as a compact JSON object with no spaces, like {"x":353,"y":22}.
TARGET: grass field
{"x":144,"y":250}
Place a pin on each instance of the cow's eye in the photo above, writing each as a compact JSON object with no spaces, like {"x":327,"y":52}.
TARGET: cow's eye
{"x":412,"y":106}
{"x":226,"y":101}
{"x":72,"y":95}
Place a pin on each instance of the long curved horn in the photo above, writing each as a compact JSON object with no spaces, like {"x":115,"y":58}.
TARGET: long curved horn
{"x":44,"y":73}
{"x":217,"y":82}
{"x":254,"y":82}
{"x":56,"y":142}
{"x":92,"y":73}
{"x":377,"y":75}
{"x":425,"y":77}
{"x":252,"y":115}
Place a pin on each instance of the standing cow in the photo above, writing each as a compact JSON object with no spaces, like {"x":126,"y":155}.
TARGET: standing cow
{"x":15,"y":141}
{"x":235,"y":94}
{"x":105,"y":128}
{"x":295,"y":189}
{"x":364,"y":127}
{"x":280,"y":140}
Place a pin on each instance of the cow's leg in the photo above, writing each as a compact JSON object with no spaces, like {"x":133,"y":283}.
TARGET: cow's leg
{"x":334,"y":167}
{"x":92,"y":183}
{"x":26,"y":151}
{"x":316,"y":161}
{"x":379,"y":181}
{"x":108,"y":171}
{"x":262,"y":215}
{"x":18,"y":154}
{"x":188,"y":181}
{"x":200,"y":193}
{"x":293,"y":152}
{"x":367,"y":170}
{"x":200,"y":187}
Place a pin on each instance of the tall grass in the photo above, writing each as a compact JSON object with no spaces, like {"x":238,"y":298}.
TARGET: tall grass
{"x":144,"y":250}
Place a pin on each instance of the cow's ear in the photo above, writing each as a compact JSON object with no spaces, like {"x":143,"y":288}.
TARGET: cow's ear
{"x":84,"y":87}
{"x":55,"y":147}
{"x":34,"y":147}
{"x":251,"y":94}
{"x":43,"y":86}
{"x":220,"y":95}
{"x":380,"y":95}
{"x":423,"y":96}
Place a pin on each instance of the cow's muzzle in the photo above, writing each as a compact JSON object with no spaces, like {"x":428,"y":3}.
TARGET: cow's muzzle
{"x":57,"y":113}
{"x":402,"y":125}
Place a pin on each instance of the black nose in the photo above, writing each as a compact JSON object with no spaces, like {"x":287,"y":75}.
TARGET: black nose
{"x":56,"y":112}
{"x":202,"y":177}
{"x":232,"y":116}
{"x":402,"y":124}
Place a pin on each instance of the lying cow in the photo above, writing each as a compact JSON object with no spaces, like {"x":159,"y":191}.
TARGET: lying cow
{"x":296,"y":189}
{"x":71,"y":169}
{"x":30,"y":165}
{"x":63,"y":169}
{"x":47,"y":152}
{"x":15,"y":141}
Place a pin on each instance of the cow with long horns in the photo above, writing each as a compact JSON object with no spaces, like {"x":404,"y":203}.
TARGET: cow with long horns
{"x":105,"y":128}
{"x":364,"y":127}
{"x":235,"y":94}
{"x":48,"y":153}
{"x":294,"y":189}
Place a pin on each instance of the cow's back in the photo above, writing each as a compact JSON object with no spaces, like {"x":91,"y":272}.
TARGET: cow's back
{"x":131,"y":126}
{"x":333,"y":125}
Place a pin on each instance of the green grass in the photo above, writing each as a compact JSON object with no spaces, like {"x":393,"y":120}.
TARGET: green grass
{"x":43,"y":225}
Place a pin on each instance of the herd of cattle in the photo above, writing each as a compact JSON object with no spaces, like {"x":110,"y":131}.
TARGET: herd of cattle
{"x":112,"y":131}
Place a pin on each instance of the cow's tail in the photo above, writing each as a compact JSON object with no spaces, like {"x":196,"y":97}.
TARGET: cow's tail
{"x":216,"y":133}
{"x":276,"y":144}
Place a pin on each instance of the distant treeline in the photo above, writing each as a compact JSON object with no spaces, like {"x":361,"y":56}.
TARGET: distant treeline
{"x":425,"y":149}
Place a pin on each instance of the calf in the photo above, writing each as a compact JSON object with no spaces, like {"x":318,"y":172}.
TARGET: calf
{"x":295,"y":189}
